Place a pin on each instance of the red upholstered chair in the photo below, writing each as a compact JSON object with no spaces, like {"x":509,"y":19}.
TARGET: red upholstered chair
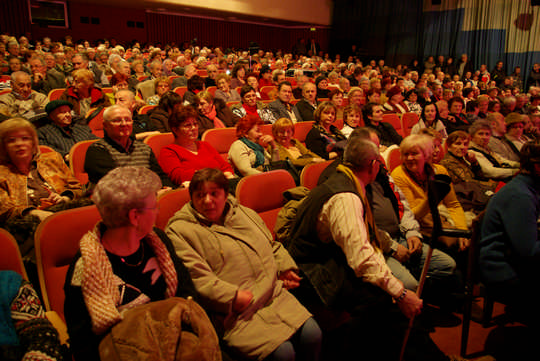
{"x":408,"y":120}
{"x":301,"y":129}
{"x":221,"y":139}
{"x":54,"y":94}
{"x":10,"y":257}
{"x":158,"y":141}
{"x":212,"y":90}
{"x":145,"y":109}
{"x":264,"y":193}
{"x":169,"y":203}
{"x":266,"y":90}
{"x":96,"y":123}
{"x":311,"y":173}
{"x":180,"y":90}
{"x":45,"y":149}
{"x":56,"y":243}
{"x":77,"y":155}
{"x":394,"y":159}
{"x":395,"y":120}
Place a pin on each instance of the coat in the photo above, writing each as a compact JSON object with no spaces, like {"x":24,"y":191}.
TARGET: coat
{"x":240,"y":254}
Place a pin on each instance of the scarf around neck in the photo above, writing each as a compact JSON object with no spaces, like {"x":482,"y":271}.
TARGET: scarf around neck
{"x":258,"y":149}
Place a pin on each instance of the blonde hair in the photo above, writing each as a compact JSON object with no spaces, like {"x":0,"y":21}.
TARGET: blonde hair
{"x":83,"y":74}
{"x":10,"y":126}
{"x":282,"y":124}
{"x":423,"y":141}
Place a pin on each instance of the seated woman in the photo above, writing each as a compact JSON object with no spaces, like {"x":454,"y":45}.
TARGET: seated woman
{"x":238,"y":75}
{"x":290,"y":148}
{"x":325,"y":139}
{"x":411,"y":100}
{"x":429,"y":118}
{"x":213,"y":113}
{"x":161,"y":86}
{"x":322,"y":87}
{"x":242,"y":275}
{"x":395,"y":102}
{"x":352,"y":119}
{"x":159,"y":116}
{"x":247,"y":154}
{"x":83,"y":94}
{"x":253,"y":81}
{"x":356,"y":96}
{"x":336,"y":97}
{"x":186,"y":155}
{"x":224,"y":90}
{"x":195,"y":85}
{"x":32,"y":185}
{"x":118,"y":82}
{"x":124,"y":264}
{"x":412,"y":177}
{"x":466,"y":173}
{"x":456,"y":116}
{"x":250,"y":106}
{"x":493,"y":165}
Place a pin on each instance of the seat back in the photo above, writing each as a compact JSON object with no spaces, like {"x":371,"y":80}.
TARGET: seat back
{"x":212,"y":90}
{"x":408,"y":120}
{"x":311,"y":173}
{"x":45,"y":149}
{"x":221,"y":139}
{"x":169,"y":203}
{"x":57,"y":242}
{"x":158,"y":141}
{"x":146,"y":108}
{"x":266,"y":90}
{"x":394,"y":120}
{"x":10,"y":257}
{"x":393,"y":159}
{"x":146,"y":89}
{"x":180,"y":90}
{"x":263,"y":193}
{"x":55,"y":94}
{"x":77,"y":155}
{"x":301,"y":129}
{"x":96,"y":123}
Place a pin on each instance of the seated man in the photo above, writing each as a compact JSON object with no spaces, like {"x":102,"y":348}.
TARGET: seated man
{"x":118,"y":148}
{"x":60,"y":133}
{"x":22,"y":101}
{"x":142,"y":124}
{"x":373,"y":115}
{"x":335,"y":242}
{"x":497,"y":142}
{"x":509,"y":260}
{"x":282,"y":107}
{"x":306,"y":107}
{"x":44,"y":80}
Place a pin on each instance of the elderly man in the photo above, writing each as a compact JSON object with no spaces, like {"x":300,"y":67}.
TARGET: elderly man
{"x":282,"y":107}
{"x":497,"y":142}
{"x":189,"y":71}
{"x":212,"y":71}
{"x":81,"y":61}
{"x":142,"y":125}
{"x":44,"y":80}
{"x":61,"y":133}
{"x":118,"y":148}
{"x":335,"y":242}
{"x":22,"y":101}
{"x":306,"y":107}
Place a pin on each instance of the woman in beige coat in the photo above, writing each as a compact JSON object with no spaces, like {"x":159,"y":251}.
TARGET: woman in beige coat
{"x":242,"y":275}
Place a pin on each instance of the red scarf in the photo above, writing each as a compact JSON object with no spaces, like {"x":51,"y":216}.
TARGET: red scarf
{"x":250,"y":110}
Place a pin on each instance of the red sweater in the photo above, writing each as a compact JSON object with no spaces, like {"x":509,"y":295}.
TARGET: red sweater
{"x":180,"y":164}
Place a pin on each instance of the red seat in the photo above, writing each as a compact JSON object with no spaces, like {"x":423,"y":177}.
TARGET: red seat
{"x":221,"y":139}
{"x":265,"y":91}
{"x":394,"y":120}
{"x":158,"y":141}
{"x":212,"y":90}
{"x":57,"y":242}
{"x":169,"y":204}
{"x":45,"y":149}
{"x":408,"y":120}
{"x":272,"y":184}
{"x":394,"y":159}
{"x":55,"y":94}
{"x":145,"y":109}
{"x":77,"y":155}
{"x":10,"y":257}
{"x":311,"y":173}
{"x":96,"y":123}
{"x":180,"y":90}
{"x":301,"y":129}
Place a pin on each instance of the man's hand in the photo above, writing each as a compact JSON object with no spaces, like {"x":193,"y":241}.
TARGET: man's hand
{"x":290,"y":279}
{"x":402,"y":254}
{"x":414,"y":244}
{"x":410,"y":305}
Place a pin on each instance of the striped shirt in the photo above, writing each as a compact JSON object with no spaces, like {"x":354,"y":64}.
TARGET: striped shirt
{"x":61,"y":139}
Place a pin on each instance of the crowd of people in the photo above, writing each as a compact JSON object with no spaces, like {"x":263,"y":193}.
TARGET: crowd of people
{"x":359,"y":240}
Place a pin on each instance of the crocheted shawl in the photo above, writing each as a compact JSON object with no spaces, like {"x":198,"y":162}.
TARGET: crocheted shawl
{"x":100,"y":285}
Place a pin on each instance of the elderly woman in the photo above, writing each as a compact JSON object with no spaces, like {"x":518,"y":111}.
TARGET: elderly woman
{"x":411,"y":101}
{"x":186,"y":155}
{"x":242,"y":274}
{"x":336,"y":97}
{"x":289,"y":147}
{"x":124,"y":263}
{"x":213,"y":113}
{"x":429,"y":118}
{"x":32,"y":185}
{"x":325,"y":139}
{"x":161,"y":86}
{"x":250,"y":106}
{"x":224,"y":90}
{"x":466,"y":173}
{"x":248,"y":154}
{"x":238,"y":75}
{"x":412,"y":178}
{"x":492,"y":164}
{"x":395,"y":102}
{"x":322,"y":87}
{"x":83,"y":95}
{"x":356,"y":96}
{"x":159,"y":117}
{"x":352,"y":119}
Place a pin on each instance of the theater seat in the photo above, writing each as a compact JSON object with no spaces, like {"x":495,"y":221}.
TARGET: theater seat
{"x":77,"y":155}
{"x":10,"y":257}
{"x":221,"y":139}
{"x":311,"y":173}
{"x":169,"y":203}
{"x":158,"y":141}
{"x":56,"y":243}
{"x":264,"y":193}
{"x":301,"y":129}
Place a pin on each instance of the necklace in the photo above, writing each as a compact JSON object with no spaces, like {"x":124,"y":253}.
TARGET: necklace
{"x":136,"y":264}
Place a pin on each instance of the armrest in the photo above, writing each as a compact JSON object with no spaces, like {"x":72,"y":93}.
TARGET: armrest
{"x":60,"y":326}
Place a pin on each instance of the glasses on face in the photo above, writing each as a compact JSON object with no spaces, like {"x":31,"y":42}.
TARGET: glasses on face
{"x":189,"y":125}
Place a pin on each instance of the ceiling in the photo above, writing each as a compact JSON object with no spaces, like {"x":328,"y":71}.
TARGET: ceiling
{"x":168,"y":6}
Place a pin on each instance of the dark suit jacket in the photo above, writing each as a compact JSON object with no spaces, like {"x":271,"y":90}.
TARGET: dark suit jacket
{"x":53,"y":80}
{"x":280,"y":111}
{"x":306,"y":110}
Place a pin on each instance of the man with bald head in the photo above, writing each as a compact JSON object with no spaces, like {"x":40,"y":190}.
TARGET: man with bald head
{"x":118,"y":148}
{"x":497,"y":141}
{"x":189,"y":71}
{"x":22,"y":101}
{"x":142,"y":126}
{"x":306,"y":107}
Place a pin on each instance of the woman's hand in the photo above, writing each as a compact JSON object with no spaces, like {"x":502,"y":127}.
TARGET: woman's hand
{"x":228,"y":175}
{"x":471,"y":157}
{"x":242,"y":300}
{"x":410,"y":305}
{"x":463,"y":243}
{"x":332,"y":155}
{"x":290,"y":279}
{"x":55,"y":198}
{"x":267,"y":139}
{"x":318,"y":160}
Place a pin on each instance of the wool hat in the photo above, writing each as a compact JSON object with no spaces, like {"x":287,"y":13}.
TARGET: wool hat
{"x":393,"y":91}
{"x":51,"y":106}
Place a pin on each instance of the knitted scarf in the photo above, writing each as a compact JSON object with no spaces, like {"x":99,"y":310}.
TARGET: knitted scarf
{"x":100,"y":285}
{"x":368,"y":215}
{"x":212,"y":115}
{"x":258,"y":149}
{"x":250,"y":110}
